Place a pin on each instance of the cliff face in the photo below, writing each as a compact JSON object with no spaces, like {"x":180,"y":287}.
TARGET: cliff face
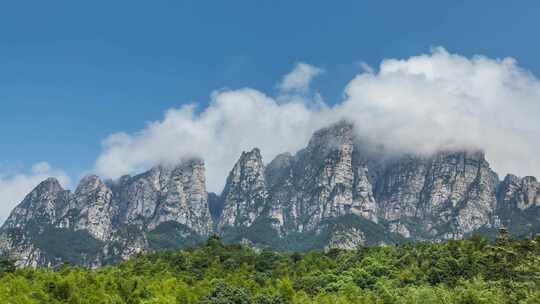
{"x":44,"y":204}
{"x":321,"y":182}
{"x":245,"y":194}
{"x":336,"y":192}
{"x":451,"y":193}
{"x":91,"y":208}
{"x":519,"y":193}
{"x":448,"y":195}
{"x":107,"y":222}
{"x":298,"y":199}
{"x":519,"y":205}
{"x":166,"y":194}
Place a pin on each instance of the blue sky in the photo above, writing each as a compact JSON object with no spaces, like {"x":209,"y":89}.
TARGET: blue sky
{"x":74,"y":72}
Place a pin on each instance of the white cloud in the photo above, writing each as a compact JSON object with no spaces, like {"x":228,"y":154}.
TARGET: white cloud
{"x":235,"y":121}
{"x":366,"y":67}
{"x":420,"y":104}
{"x":14,"y":187}
{"x":299,"y":79}
{"x":443,"y":100}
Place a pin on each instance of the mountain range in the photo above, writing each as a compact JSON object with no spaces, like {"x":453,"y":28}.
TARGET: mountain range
{"x":338,"y":192}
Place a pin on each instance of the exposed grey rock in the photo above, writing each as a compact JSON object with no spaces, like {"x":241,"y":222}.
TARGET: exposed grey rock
{"x":115,"y":216}
{"x":91,"y":209}
{"x":140,"y":195}
{"x":347,"y":239}
{"x":44,"y":204}
{"x":25,"y":253}
{"x":460,"y":191}
{"x":521,"y":193}
{"x":184,"y":198}
{"x":399,"y":188}
{"x":338,"y":192}
{"x":245,"y":195}
{"x":321,"y":182}
{"x":364,"y":203}
{"x":450,"y":194}
{"x":519,"y":205}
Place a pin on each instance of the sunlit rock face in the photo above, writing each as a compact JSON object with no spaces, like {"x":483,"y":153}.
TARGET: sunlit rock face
{"x":519,"y":205}
{"x":337,"y":192}
{"x":298,"y":193}
{"x":450,"y":194}
{"x":43,"y":205}
{"x":460,"y":192}
{"x":245,"y":195}
{"x":399,"y":191}
{"x":111,"y":220}
{"x":519,"y":193}
{"x":165,"y":194}
{"x":321,"y":182}
{"x":91,"y":209}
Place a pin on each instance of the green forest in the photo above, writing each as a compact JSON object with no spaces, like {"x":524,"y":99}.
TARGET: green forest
{"x":475,"y":270}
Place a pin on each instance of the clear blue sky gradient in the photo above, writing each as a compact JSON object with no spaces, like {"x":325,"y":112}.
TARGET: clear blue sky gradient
{"x":73,"y":72}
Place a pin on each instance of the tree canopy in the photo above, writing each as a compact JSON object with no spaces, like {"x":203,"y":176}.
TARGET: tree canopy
{"x":469,"y":271}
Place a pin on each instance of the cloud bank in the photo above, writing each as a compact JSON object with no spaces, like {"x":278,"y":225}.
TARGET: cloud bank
{"x":420,"y":104}
{"x":13,"y":188}
{"x":442,"y":100}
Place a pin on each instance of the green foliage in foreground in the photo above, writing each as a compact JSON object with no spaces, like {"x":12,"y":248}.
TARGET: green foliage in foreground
{"x":470,"y":271}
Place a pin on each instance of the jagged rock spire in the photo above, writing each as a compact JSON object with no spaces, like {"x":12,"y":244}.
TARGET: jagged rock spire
{"x":183,"y":198}
{"x":245,"y":194}
{"x":336,"y":192}
{"x":92,"y":208}
{"x":43,"y":204}
{"x":322,"y":181}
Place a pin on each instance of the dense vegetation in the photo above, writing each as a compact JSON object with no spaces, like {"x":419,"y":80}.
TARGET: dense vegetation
{"x":469,"y":271}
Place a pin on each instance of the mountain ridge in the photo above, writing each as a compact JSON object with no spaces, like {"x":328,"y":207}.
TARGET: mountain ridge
{"x":334,"y":193}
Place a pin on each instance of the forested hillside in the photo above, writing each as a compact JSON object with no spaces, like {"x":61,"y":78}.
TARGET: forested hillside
{"x":469,"y":271}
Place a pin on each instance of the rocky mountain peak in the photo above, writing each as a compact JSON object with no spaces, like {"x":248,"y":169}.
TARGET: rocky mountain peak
{"x":50,"y":186}
{"x":521,"y":193}
{"x":90,"y":183}
{"x":338,"y":191}
{"x":245,"y":192}
{"x":248,"y":172}
{"x":452,"y":192}
{"x":184,"y":197}
{"x":42,"y":204}
{"x":91,"y":208}
{"x":339,"y":132}
{"x":322,"y":182}
{"x":168,"y":193}
{"x":336,"y":137}
{"x":279,"y":170}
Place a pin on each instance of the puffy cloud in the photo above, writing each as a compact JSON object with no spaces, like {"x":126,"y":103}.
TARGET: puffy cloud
{"x":14,"y":187}
{"x":415,"y":105}
{"x":299,"y":79}
{"x":442,"y":100}
{"x":234,"y":121}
